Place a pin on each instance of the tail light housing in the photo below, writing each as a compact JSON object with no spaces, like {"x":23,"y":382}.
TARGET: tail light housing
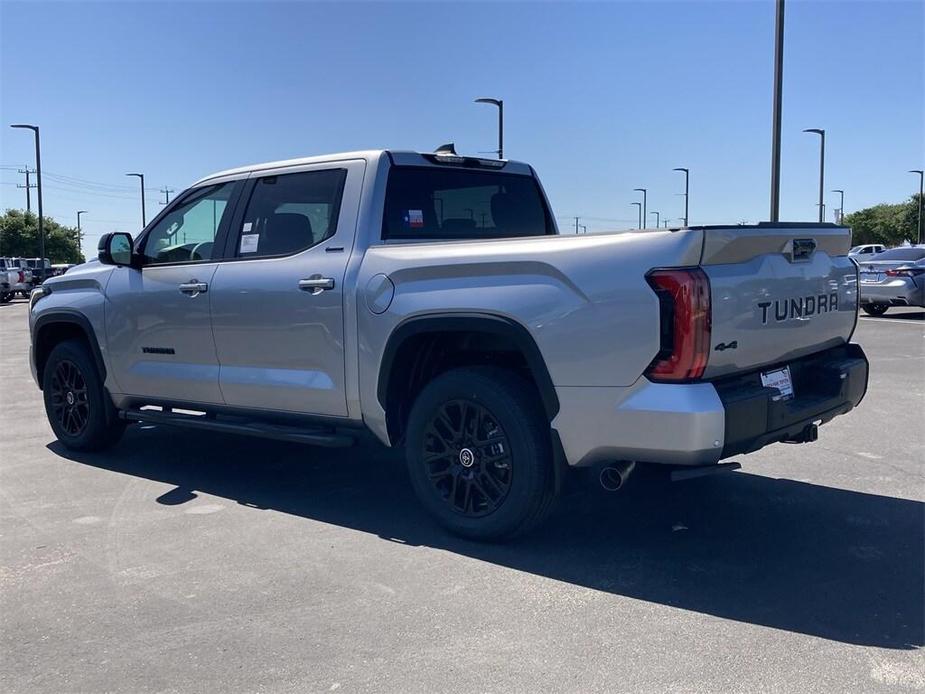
{"x":22,"y":276}
{"x":685,"y":322}
{"x":906,"y":272}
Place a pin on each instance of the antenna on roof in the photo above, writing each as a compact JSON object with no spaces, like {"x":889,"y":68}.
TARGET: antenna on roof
{"x":448,"y":148}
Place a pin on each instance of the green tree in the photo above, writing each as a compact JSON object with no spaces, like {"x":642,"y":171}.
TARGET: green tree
{"x":890,"y":225}
{"x":19,"y":237}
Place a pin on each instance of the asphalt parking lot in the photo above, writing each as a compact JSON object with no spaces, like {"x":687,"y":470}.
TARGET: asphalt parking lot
{"x":195,"y":562}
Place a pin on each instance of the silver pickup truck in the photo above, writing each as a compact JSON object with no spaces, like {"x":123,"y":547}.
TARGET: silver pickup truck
{"x":429,"y":299}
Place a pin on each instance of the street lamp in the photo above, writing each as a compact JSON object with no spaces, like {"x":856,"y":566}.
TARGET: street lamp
{"x":500,"y":104}
{"x":921,"y":239}
{"x":79,"y":247}
{"x":141,"y":177}
{"x":643,"y":191}
{"x":638,"y":209}
{"x":38,"y":181}
{"x":776,"y":110}
{"x":821,"y":133}
{"x":687,"y":175}
{"x":841,"y":205}
{"x":657,"y":220}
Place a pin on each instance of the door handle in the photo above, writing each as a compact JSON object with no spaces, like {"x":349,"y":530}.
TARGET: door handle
{"x":194,"y":287}
{"x":316,"y":284}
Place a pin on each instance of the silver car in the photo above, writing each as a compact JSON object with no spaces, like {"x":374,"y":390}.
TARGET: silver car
{"x":893,"y":278}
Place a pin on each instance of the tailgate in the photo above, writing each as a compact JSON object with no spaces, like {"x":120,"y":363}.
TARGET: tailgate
{"x":778,"y":292}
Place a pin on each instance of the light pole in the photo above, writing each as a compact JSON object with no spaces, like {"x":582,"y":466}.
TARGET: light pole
{"x":584,"y":228}
{"x":141,"y":177}
{"x":643,"y":191}
{"x":38,"y":182}
{"x":821,"y":133}
{"x":841,"y":205}
{"x":776,"y":110}
{"x":639,"y":210}
{"x":500,"y":104}
{"x":657,"y":220}
{"x":79,"y":247}
{"x":687,"y":175}
{"x":921,"y":239}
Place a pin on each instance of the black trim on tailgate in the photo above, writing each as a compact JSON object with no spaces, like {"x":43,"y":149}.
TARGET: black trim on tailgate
{"x":825,"y":385}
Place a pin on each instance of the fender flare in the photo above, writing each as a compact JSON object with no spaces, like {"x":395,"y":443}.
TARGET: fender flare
{"x":470,"y":322}
{"x":70,"y":318}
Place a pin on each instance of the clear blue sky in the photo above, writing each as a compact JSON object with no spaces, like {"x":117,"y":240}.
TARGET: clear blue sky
{"x":600,"y":98}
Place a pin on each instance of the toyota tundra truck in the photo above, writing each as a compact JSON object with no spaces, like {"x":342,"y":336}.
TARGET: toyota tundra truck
{"x":429,"y":298}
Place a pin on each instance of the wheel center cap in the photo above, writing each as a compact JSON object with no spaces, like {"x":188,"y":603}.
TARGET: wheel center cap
{"x":70,"y":398}
{"x":466,"y":457}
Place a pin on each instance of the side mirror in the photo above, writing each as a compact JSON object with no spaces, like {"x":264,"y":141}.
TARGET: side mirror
{"x":115,"y":248}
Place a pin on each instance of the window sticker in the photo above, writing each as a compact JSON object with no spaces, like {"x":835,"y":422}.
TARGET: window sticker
{"x":416,"y":219}
{"x":247,"y":227}
{"x":249,"y":242}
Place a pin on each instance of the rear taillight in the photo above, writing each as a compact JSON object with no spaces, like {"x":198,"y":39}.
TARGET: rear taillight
{"x":906,"y":272}
{"x":684,"y":305}
{"x":22,"y":276}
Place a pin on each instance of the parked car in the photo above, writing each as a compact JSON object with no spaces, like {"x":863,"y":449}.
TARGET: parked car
{"x":60,"y":268}
{"x":6,"y":291}
{"x":866,"y":250}
{"x":20,"y":277}
{"x":429,"y":299}
{"x":41,"y":269}
{"x":893,"y":278}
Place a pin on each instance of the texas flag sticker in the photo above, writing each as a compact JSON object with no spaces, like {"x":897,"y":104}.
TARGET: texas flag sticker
{"x":416,"y":219}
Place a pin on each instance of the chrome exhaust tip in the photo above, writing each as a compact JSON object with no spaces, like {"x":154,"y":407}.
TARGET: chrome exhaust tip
{"x":613,"y":477}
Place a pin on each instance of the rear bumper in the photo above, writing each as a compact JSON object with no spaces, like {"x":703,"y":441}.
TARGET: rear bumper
{"x":895,"y":292}
{"x":702,"y":423}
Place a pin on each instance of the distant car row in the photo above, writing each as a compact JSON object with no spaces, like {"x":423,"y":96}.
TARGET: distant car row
{"x":20,"y":275}
{"x":894,"y":277}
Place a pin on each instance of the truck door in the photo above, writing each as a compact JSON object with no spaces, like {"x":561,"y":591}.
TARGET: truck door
{"x":158,"y":323}
{"x":278,"y":299}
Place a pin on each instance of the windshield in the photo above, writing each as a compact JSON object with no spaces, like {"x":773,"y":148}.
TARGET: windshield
{"x":902,"y":254}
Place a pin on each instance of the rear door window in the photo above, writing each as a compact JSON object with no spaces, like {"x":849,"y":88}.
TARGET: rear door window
{"x":434,"y":203}
{"x":288,"y":213}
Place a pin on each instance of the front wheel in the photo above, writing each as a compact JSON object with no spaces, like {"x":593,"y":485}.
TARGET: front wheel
{"x":78,"y":407}
{"x":875,"y":309}
{"x":479,"y":453}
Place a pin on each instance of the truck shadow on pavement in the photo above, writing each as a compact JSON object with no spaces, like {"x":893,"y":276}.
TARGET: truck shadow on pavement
{"x":831,"y":563}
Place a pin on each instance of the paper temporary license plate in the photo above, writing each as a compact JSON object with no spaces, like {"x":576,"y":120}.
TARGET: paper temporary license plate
{"x":872,"y":276}
{"x":779,"y":379}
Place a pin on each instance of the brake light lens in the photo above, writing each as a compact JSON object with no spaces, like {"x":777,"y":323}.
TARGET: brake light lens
{"x":906,"y":272}
{"x":685,"y":314}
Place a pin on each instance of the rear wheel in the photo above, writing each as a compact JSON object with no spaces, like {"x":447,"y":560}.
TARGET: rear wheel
{"x":5,"y":297}
{"x":875,"y":309}
{"x":78,"y":407}
{"x":479,"y":453}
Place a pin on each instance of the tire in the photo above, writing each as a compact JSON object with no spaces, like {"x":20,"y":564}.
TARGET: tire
{"x":77,"y":405}
{"x":489,"y":480}
{"x":5,"y":297}
{"x":875,"y":309}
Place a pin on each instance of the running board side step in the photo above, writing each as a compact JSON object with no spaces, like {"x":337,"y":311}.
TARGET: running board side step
{"x":315,"y":436}
{"x":702,"y":471}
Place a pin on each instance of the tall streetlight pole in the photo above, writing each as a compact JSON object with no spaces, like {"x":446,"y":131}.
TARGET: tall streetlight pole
{"x":638,"y":209}
{"x":776,"y":110}
{"x":79,"y":237}
{"x":141,"y":177}
{"x":687,"y":175}
{"x":500,"y":104}
{"x":38,"y":182}
{"x":643,"y":191}
{"x":657,"y":219}
{"x":841,"y":205}
{"x":821,"y":133}
{"x":921,"y":239}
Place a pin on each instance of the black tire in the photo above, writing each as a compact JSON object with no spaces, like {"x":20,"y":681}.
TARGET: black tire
{"x":79,"y":409}
{"x":5,"y":297}
{"x":875,"y":309}
{"x":505,"y":485}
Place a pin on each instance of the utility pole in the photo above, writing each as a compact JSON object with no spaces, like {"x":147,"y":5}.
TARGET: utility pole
{"x":921,"y":239}
{"x":645,"y":216}
{"x":28,"y":187}
{"x":79,"y":235}
{"x":576,"y":226}
{"x":687,"y":176}
{"x":166,"y":193}
{"x":776,"y":111}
